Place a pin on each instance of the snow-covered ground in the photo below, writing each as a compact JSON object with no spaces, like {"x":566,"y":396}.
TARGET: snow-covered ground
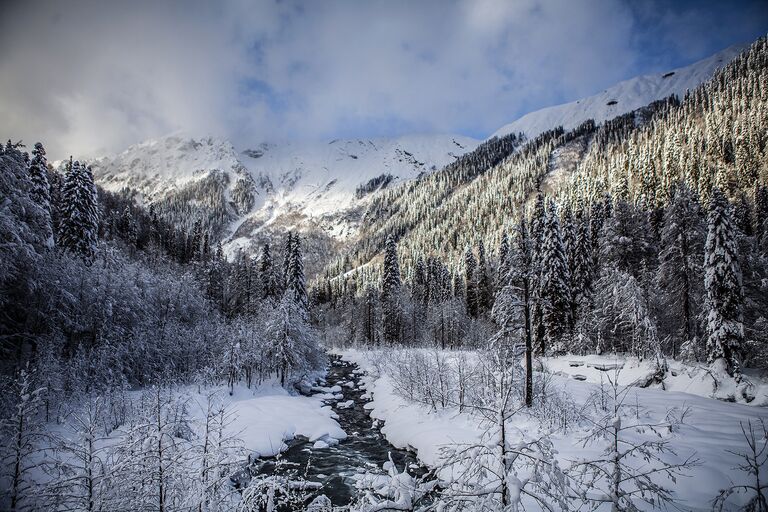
{"x":685,"y":378}
{"x":265,"y":418}
{"x":711,"y":431}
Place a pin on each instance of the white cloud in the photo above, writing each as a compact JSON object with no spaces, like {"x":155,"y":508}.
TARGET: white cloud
{"x":93,"y":76}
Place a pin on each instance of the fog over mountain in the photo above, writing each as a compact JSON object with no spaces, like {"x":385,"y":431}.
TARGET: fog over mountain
{"x":281,"y":71}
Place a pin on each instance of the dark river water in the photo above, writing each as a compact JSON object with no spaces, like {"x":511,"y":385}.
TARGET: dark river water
{"x":364,"y":450}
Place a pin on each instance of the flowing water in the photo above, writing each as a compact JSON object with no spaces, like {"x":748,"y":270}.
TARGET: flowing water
{"x":364,"y":450}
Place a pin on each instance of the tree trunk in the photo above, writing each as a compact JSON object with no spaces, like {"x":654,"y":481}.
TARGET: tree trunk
{"x":17,"y":464}
{"x":528,"y":347}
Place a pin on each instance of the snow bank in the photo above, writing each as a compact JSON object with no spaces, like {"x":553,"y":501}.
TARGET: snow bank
{"x":700,"y":380}
{"x":269,"y":416}
{"x":712,"y":427}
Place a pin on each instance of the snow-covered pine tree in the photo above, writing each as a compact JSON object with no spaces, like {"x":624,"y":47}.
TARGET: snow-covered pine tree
{"x":56,"y":181}
{"x":292,"y":344}
{"x":470,"y":282}
{"x":624,"y":321}
{"x":679,"y":270}
{"x":742,"y":215}
{"x":239,"y":286}
{"x":484,"y":284}
{"x":521,"y":275}
{"x":555,"y":291}
{"x":22,"y":231}
{"x":722,"y":281}
{"x":78,"y":229}
{"x":41,"y":189}
{"x":391,"y":313}
{"x":296,"y":283}
{"x":596,"y":224}
{"x":287,"y":250}
{"x":538,"y":221}
{"x":369,"y":315}
{"x":502,"y":275}
{"x":761,"y":213}
{"x":582,"y":269}
{"x":420,"y":290}
{"x":269,"y":282}
{"x":570,"y":245}
{"x":625,"y":240}
{"x":420,"y":281}
{"x":214,"y":278}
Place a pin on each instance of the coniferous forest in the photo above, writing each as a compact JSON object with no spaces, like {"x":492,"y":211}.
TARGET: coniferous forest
{"x":637,"y":245}
{"x":571,"y":321}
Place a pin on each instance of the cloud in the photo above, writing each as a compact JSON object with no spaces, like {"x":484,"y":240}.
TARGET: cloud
{"x":94,"y":76}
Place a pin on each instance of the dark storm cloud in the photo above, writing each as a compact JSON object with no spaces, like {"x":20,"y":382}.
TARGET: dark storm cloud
{"x":90,"y":76}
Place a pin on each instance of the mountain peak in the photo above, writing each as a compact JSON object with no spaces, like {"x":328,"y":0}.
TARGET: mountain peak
{"x":623,"y":97}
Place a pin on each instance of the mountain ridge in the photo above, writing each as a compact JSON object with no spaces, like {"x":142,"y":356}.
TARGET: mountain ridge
{"x":628,"y":95}
{"x":325,"y":185}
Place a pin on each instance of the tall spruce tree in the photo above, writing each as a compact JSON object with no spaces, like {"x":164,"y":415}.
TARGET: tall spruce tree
{"x":296,"y":285}
{"x":502,"y":274}
{"x":470,"y":282}
{"x":521,"y":275}
{"x":484,"y":285}
{"x":582,"y":269}
{"x":40,"y":190}
{"x":571,"y":247}
{"x":287,"y":249}
{"x":391,"y":314}
{"x":538,"y":221}
{"x":555,"y":291}
{"x":722,"y":281}
{"x":269,"y":284}
{"x":679,"y":270}
{"x":419,"y":296}
{"x":78,"y":229}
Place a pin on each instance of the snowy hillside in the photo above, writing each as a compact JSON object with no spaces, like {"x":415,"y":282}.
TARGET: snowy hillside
{"x":159,"y":166}
{"x":317,"y":178}
{"x":623,"y":97}
{"x":258,"y":192}
{"x":323,"y":177}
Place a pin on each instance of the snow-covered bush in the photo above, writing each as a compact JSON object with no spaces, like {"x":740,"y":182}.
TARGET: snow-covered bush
{"x":509,"y":466}
{"x":636,"y":453}
{"x":755,"y":459}
{"x":277,"y":491}
{"x":23,"y":440}
{"x":392,"y":491}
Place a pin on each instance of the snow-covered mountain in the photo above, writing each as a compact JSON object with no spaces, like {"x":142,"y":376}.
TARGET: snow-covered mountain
{"x":157,"y":167}
{"x":323,"y":177}
{"x":623,"y":97}
{"x":315,"y":186}
{"x":318,"y":177}
{"x":322,"y":187}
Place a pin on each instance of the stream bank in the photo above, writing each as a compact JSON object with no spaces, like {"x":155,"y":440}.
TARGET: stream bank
{"x":336,"y":465}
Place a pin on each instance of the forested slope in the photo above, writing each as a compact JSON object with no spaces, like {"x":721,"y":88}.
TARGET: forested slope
{"x":610,"y":228}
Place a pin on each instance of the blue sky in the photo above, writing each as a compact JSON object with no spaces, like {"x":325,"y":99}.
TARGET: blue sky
{"x":87,"y":76}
